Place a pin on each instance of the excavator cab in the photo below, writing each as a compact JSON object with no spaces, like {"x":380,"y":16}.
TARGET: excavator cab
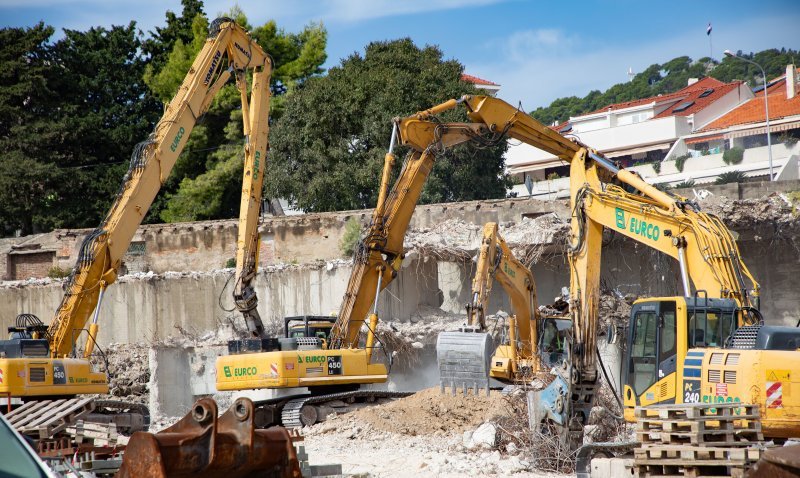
{"x":663,"y":337}
{"x":318,"y":326}
{"x":553,"y":339}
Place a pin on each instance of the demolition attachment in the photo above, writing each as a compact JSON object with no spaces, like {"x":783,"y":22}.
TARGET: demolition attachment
{"x":202,"y":445}
{"x":464,"y":360}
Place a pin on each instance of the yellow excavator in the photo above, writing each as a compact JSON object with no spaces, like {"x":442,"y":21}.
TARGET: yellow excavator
{"x":528,"y":339}
{"x":41,"y":361}
{"x":708,"y":345}
{"x":308,"y":373}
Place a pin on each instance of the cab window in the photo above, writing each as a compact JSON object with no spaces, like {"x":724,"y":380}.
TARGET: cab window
{"x":643,"y":353}
{"x":710,"y":327}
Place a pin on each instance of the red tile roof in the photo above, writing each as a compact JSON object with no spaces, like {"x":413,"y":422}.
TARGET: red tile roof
{"x":752,"y":111}
{"x":698,"y":87}
{"x":476,"y":81}
{"x":700,"y":103}
{"x":776,"y":85}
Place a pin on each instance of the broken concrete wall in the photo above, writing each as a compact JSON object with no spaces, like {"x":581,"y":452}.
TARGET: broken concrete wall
{"x":148,"y":307}
{"x":208,"y":245}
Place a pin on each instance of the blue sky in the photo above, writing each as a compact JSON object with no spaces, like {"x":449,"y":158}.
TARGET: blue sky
{"x":538,"y":51}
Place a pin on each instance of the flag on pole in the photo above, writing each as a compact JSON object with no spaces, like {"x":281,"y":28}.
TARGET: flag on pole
{"x":708,"y":30}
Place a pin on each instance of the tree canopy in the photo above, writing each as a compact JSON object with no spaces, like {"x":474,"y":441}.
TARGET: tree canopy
{"x":206,"y":180}
{"x":667,"y":78}
{"x":73,"y":110}
{"x":327,"y":148}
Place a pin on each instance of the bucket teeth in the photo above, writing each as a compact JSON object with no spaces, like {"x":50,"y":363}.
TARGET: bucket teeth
{"x":464,"y":360}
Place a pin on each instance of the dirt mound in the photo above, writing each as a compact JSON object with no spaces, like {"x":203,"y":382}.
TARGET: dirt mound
{"x":429,"y":411}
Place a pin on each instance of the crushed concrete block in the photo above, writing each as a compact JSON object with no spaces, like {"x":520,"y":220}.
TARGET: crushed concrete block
{"x":485,"y":436}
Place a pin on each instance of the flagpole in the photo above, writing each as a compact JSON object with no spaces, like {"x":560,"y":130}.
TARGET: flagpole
{"x":710,"y":48}
{"x":710,"y":44}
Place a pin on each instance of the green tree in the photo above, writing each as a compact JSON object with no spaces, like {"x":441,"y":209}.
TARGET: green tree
{"x":105,"y":109}
{"x":160,"y":44}
{"x":26,"y":102}
{"x":667,"y":78}
{"x":206,"y":180}
{"x":731,"y":177}
{"x":72,"y":111}
{"x":328,"y":147}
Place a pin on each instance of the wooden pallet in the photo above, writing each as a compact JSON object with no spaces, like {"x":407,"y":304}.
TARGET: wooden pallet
{"x":698,"y":411}
{"x":694,"y":461}
{"x":97,"y":434}
{"x":699,"y":424}
{"x":701,"y":438}
{"x":48,"y":417}
{"x":695,"y":454}
{"x":688,"y":471}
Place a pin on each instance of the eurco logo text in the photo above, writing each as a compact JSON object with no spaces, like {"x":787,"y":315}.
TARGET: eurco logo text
{"x":177,"y":140}
{"x":638,"y":226}
{"x":239,"y":371}
{"x":315,"y":359}
{"x":213,"y":67}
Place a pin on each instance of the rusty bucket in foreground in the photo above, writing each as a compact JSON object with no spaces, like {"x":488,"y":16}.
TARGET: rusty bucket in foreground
{"x":202,"y":445}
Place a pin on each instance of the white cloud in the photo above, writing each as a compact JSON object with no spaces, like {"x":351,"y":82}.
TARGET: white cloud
{"x":534,"y":43}
{"x":358,"y":10}
{"x":538,"y":66}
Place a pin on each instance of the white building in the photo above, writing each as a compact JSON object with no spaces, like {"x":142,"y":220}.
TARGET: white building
{"x":639,"y":134}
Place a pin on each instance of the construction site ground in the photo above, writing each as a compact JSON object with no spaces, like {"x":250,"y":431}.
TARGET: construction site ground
{"x":429,"y":433}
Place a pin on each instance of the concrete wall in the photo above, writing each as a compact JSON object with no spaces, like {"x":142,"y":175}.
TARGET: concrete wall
{"x":162,"y":306}
{"x":208,"y":245}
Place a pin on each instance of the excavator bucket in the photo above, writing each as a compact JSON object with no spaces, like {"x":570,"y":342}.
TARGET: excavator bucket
{"x":464,"y":360}
{"x":202,"y":445}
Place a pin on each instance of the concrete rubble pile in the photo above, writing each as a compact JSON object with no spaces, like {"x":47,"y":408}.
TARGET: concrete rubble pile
{"x":779,"y":212}
{"x":128,"y":372}
{"x":458,"y":238}
{"x":427,"y":434}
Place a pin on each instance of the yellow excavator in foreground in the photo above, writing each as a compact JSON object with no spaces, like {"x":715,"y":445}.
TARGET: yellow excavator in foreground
{"x":42,"y":361}
{"x":708,"y":345}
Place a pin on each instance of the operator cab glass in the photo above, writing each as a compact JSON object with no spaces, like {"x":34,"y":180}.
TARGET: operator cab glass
{"x":653,"y":344}
{"x":553,"y":338}
{"x":313,"y":331}
{"x":659,"y":329}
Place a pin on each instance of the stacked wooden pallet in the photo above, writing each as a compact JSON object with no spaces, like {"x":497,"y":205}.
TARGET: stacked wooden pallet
{"x":697,"y":440}
{"x":97,"y":434}
{"x":45,"y":418}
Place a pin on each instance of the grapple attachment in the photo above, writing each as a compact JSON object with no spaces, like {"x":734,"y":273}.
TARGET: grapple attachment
{"x":202,"y":445}
{"x":464,"y":360}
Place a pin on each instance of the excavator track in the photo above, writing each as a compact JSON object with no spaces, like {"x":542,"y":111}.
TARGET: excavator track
{"x":293,"y":415}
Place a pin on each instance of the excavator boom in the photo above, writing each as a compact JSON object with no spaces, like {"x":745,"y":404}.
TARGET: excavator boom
{"x":228,"y":51}
{"x":101,"y":252}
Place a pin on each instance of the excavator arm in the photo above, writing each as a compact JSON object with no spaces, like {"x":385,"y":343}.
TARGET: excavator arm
{"x":101,"y":253}
{"x":496,"y":262}
{"x":603,"y":195}
{"x":379,"y":255}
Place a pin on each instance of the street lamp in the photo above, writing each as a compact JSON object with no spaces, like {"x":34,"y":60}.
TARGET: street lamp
{"x":766,"y":105}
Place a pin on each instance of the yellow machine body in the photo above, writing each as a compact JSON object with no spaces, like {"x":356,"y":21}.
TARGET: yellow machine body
{"x":665,"y":363}
{"x":298,"y":368}
{"x":33,"y":377}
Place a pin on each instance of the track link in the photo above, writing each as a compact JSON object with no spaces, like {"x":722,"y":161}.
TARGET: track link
{"x":291,"y":413}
